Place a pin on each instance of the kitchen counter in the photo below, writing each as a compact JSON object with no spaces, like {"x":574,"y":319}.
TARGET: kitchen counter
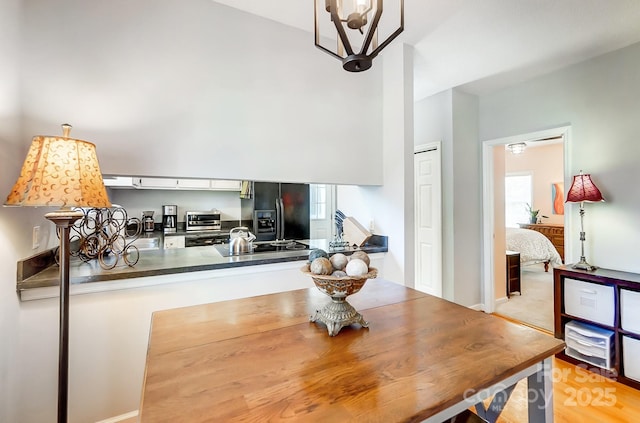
{"x":157,"y":262}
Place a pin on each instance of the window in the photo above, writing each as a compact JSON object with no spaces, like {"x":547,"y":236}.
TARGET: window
{"x":517,"y":194}
{"x":318,"y":194}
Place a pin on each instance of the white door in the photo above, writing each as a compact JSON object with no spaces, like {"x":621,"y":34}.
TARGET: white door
{"x":428,"y":217}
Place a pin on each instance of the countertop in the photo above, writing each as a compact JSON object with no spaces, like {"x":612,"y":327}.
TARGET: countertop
{"x":160,"y":261}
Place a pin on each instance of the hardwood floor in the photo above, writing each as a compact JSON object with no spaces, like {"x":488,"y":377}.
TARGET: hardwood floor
{"x":579,"y":396}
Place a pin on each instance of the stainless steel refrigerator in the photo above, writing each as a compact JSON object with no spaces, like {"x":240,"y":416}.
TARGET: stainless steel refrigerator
{"x":281,"y":211}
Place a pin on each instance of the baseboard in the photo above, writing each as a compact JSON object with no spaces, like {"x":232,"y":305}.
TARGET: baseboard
{"x":519,"y":322}
{"x":501,"y":300}
{"x":121,"y":417}
{"x":477,"y":307}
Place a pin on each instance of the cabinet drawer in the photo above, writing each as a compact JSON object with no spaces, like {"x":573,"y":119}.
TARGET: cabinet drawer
{"x":631,"y":352}
{"x":587,"y":349}
{"x":603,"y":363}
{"x":176,"y":241}
{"x":590,"y":343}
{"x":589,"y":334}
{"x":630,"y":310}
{"x":589,"y":301}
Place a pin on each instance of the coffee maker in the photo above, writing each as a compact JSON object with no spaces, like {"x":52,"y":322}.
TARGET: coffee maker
{"x":169,"y":219}
{"x":147,"y":221}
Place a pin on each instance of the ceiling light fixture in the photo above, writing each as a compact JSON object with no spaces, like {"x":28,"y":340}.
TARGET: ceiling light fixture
{"x":517,"y":148}
{"x":363,"y":23}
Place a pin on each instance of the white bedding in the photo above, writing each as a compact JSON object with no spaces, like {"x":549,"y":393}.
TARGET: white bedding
{"x":532,"y":246}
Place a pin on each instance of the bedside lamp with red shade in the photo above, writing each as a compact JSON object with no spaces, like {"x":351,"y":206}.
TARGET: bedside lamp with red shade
{"x":583,"y":189}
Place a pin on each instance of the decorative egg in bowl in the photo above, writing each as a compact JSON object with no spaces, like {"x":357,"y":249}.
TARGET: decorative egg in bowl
{"x":338,"y":284}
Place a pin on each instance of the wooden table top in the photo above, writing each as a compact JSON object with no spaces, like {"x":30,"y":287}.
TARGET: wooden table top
{"x":259,"y":359}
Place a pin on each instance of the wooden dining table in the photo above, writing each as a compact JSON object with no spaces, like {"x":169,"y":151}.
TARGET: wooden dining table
{"x":260,"y":359}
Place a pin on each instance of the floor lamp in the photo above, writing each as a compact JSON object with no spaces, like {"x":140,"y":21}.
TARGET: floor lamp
{"x":583,"y":189}
{"x":62,"y":172}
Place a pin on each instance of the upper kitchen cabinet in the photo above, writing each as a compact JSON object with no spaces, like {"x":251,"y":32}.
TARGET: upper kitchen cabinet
{"x":222,"y":185}
{"x":155,"y":183}
{"x":130,"y":182}
{"x":112,"y":181}
{"x":194,"y":184}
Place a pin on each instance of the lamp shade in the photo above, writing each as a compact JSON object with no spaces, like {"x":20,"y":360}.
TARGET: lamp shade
{"x":583,"y":189}
{"x":60,"y":171}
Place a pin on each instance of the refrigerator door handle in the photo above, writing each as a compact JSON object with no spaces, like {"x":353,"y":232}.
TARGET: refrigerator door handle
{"x":281,"y":218}
{"x":278,"y":219}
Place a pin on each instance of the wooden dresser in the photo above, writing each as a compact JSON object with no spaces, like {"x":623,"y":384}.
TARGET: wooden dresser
{"x":554,"y":232}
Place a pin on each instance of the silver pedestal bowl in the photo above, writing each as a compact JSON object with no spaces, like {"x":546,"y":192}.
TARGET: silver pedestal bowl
{"x":339,"y":313}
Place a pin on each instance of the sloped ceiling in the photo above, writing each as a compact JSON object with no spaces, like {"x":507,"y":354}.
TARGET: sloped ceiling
{"x":484,"y":45}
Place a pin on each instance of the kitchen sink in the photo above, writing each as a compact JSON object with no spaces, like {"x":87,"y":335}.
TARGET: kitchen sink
{"x":264,"y":247}
{"x":145,"y":243}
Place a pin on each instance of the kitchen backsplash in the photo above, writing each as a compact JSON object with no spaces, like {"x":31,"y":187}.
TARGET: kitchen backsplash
{"x":136,"y":201}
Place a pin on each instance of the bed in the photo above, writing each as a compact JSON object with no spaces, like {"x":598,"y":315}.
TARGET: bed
{"x":533,"y":247}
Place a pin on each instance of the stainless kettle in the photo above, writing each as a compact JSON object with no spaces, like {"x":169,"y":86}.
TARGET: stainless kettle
{"x":241,"y":240}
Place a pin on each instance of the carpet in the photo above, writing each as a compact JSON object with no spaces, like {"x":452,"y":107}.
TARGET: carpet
{"x":535,"y":304}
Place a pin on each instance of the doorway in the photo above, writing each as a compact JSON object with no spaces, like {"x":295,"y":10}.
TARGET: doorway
{"x":494,"y":226}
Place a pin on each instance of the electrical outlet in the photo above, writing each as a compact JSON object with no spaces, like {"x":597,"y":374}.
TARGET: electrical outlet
{"x":35,"y":238}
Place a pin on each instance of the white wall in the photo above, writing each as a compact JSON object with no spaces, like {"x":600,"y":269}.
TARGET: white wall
{"x":390,"y":206}
{"x":599,"y":99}
{"x":432,"y":117}
{"x":451,"y":116}
{"x":198,"y":90}
{"x":163,"y":88}
{"x":467,"y":209}
{"x":13,"y":222}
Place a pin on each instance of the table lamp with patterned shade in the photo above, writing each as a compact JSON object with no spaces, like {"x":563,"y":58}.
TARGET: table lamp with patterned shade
{"x":583,"y":189}
{"x":61,"y":171}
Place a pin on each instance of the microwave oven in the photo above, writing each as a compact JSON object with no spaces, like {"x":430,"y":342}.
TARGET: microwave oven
{"x":202,"y":221}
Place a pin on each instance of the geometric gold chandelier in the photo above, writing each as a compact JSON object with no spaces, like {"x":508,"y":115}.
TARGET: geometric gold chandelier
{"x":357,"y":43}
